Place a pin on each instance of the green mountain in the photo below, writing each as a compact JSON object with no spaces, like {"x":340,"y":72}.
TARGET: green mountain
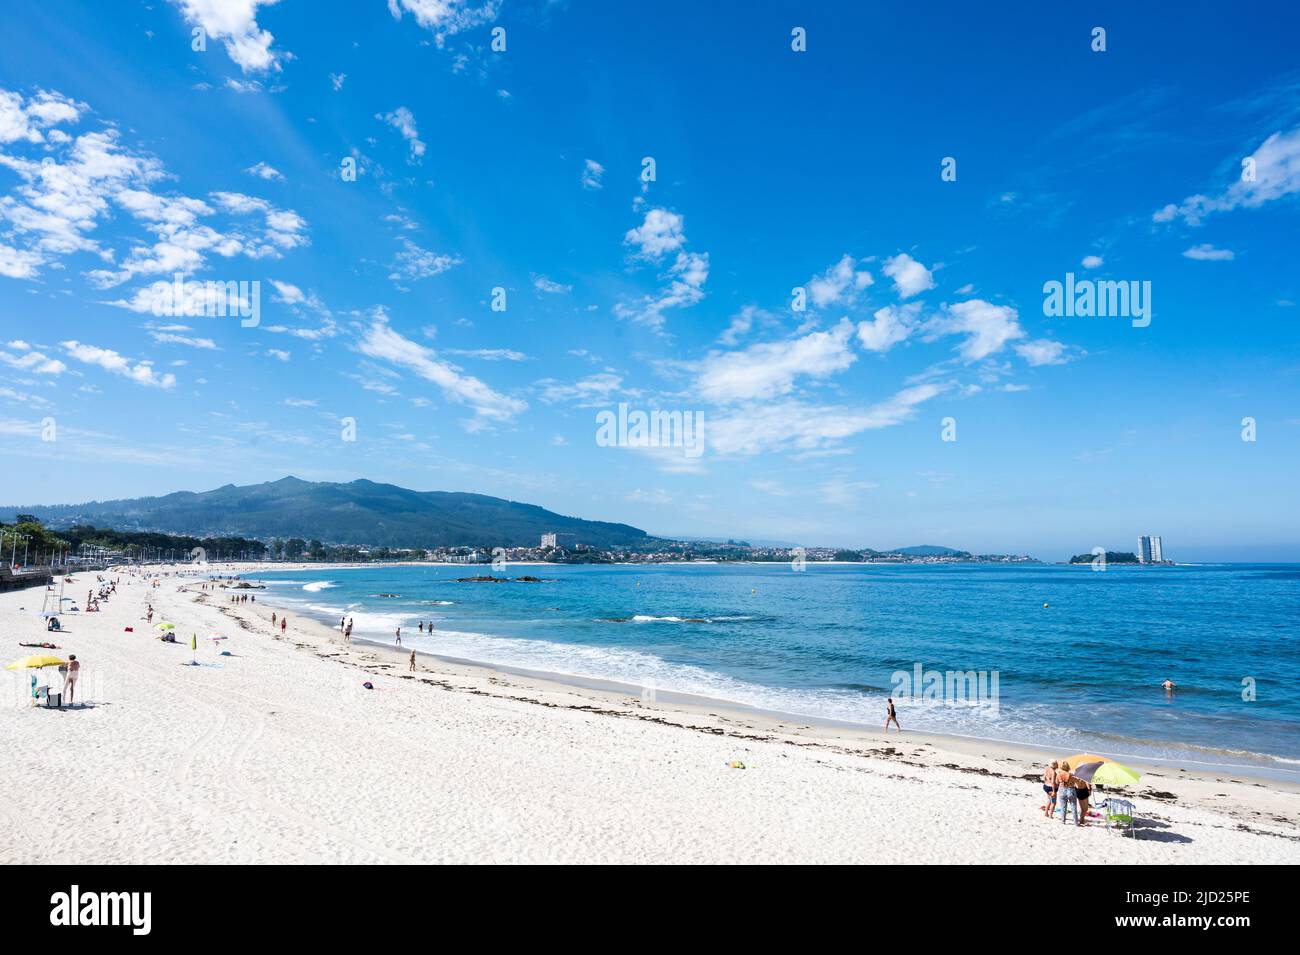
{"x":361,"y":512}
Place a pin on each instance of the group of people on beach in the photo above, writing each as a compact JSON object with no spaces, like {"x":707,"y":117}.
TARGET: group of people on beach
{"x":1067,"y":790}
{"x":243,"y":598}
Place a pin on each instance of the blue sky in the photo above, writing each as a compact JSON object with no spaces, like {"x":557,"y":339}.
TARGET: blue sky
{"x":127,"y":157}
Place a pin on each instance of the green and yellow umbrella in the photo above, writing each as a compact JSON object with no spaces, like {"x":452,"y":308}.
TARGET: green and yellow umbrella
{"x":164,"y":626}
{"x":1108,"y":773}
{"x":36,"y":662}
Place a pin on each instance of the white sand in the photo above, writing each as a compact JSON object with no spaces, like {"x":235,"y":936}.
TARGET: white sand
{"x":278,"y":755}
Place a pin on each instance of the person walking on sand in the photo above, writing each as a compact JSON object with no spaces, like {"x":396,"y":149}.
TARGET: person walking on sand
{"x":412,"y":661}
{"x":284,"y":622}
{"x":70,"y":678}
{"x":399,"y":636}
{"x":891,"y":716}
{"x":272,"y":618}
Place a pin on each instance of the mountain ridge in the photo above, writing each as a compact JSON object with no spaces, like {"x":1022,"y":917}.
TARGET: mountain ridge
{"x":355,"y":512}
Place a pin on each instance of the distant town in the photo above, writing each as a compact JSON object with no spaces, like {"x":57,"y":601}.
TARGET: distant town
{"x":28,"y":545}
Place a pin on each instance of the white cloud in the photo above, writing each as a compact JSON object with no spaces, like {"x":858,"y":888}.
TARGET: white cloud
{"x":234,"y":22}
{"x":591,"y":174}
{"x":1093,"y":261}
{"x":910,"y":276}
{"x":413,"y":262}
{"x":403,"y":120}
{"x":892,"y":324}
{"x":488,"y":354}
{"x":987,"y":327}
{"x":381,"y":342}
{"x":336,"y":80}
{"x":142,"y":372}
{"x":686,"y":278}
{"x":25,"y":120}
{"x":770,"y":369}
{"x":595,"y":388}
{"x":169,"y":335}
{"x":30,"y":360}
{"x":1043,"y":351}
{"x":1208,"y":253}
{"x":445,"y":18}
{"x":799,"y":426}
{"x":839,"y":284}
{"x":263,"y":171}
{"x":659,"y":234}
{"x":19,"y":263}
{"x":543,"y":284}
{"x":742,"y":323}
{"x":72,"y":185}
{"x":1276,"y":174}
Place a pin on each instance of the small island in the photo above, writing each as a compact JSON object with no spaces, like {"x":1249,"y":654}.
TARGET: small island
{"x":1112,"y":557}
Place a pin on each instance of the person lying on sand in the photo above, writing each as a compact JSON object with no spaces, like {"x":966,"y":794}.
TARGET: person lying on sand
{"x":43,"y":646}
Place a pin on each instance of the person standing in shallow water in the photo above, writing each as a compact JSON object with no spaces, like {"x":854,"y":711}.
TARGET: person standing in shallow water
{"x":891,"y":716}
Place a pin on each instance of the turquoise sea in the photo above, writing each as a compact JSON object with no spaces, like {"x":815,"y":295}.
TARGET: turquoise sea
{"x":1082,"y":672}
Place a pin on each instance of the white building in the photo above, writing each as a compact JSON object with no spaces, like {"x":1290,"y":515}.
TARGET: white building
{"x":1150,"y":550}
{"x":548,"y":540}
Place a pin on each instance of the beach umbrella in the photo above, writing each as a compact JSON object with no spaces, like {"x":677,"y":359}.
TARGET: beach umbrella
{"x":1080,"y":759}
{"x":164,"y":626}
{"x":36,"y":662}
{"x":1108,"y":773}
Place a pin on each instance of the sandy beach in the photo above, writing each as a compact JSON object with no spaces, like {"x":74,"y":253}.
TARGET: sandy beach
{"x":278,"y":754}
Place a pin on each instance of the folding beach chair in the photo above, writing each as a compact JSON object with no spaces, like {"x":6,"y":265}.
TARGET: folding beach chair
{"x":1120,"y":812}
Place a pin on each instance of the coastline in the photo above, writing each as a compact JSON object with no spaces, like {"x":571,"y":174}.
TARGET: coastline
{"x":277,"y":754}
{"x":679,"y":705}
{"x":1208,"y":760}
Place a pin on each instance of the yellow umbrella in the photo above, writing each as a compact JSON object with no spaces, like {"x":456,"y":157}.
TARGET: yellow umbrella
{"x":164,"y":626}
{"x":35,"y":662}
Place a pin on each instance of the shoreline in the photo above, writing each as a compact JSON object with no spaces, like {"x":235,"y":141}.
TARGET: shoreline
{"x":1258,"y":767}
{"x":820,"y":728}
{"x":276,"y":753}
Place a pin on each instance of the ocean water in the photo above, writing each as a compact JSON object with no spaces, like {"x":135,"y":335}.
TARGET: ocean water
{"x":830,"y":643}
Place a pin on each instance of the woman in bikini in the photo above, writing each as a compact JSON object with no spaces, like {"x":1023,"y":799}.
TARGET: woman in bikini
{"x":1049,"y":787}
{"x":1082,"y":792}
